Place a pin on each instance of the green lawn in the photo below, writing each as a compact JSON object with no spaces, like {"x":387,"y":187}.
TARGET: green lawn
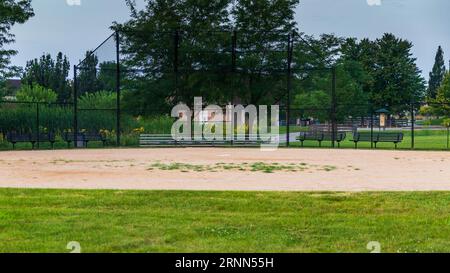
{"x":424,"y":140}
{"x":170,"y":221}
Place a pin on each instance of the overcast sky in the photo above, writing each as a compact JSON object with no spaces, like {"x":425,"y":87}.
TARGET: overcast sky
{"x":62,"y":25}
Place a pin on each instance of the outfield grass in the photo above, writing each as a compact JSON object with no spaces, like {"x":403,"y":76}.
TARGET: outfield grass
{"x":169,"y":221}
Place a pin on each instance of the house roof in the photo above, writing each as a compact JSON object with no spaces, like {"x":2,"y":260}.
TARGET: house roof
{"x":14,"y":83}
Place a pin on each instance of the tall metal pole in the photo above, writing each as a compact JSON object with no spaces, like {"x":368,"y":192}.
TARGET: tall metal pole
{"x":75,"y":105}
{"x":333,"y":108}
{"x":289,"y":87}
{"x":118,"y":88}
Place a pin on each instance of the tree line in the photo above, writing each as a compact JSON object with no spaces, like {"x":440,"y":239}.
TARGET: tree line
{"x":237,"y":51}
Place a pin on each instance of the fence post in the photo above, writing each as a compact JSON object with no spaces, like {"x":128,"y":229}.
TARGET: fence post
{"x":175,"y":58}
{"x":289,"y":87}
{"x":371,"y":128}
{"x":75,"y":106}
{"x":118,"y":93}
{"x":233,"y":51}
{"x":448,"y":137}
{"x":333,"y":108}
{"x":413,"y":120}
{"x":37,"y":124}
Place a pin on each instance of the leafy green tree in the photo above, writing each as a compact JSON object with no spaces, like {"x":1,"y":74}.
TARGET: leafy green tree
{"x":397,"y":79}
{"x":264,"y":27}
{"x":49,"y":73}
{"x":315,"y":93}
{"x":149,"y":45}
{"x":313,"y":84}
{"x":11,"y":13}
{"x":204,"y":42}
{"x":362,"y":52}
{"x":443,"y":97}
{"x":320,"y":53}
{"x":392,"y":77}
{"x":36,"y":93}
{"x":437,"y":74}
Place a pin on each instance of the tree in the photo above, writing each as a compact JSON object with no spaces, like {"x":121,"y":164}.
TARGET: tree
{"x":60,"y":81}
{"x":107,"y":76}
{"x":264,"y":27}
{"x":88,"y":75}
{"x":313,"y":85}
{"x":437,"y":74}
{"x":201,"y":33}
{"x":317,"y":53}
{"x":11,"y":13}
{"x":397,"y":79}
{"x":443,"y":97}
{"x":149,"y":42}
{"x":392,"y":77}
{"x":49,"y":73}
{"x":314,"y":93}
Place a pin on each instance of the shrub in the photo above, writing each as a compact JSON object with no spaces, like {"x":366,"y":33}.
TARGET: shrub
{"x":446,"y":122}
{"x":36,"y":93}
{"x":98,"y":100}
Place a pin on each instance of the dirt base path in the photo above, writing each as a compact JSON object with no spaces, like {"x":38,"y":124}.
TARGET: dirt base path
{"x":326,"y":170}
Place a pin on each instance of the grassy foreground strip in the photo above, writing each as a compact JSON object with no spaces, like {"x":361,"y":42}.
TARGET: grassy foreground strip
{"x":175,"y":221}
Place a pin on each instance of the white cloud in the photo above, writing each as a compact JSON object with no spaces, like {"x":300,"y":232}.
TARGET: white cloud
{"x":374,"y":2}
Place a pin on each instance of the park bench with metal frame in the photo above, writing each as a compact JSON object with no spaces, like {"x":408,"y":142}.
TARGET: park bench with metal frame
{"x":377,"y":137}
{"x":15,"y":138}
{"x":85,"y":138}
{"x":321,"y":136}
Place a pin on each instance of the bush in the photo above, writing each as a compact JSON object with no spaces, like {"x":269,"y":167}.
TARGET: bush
{"x":98,"y":100}
{"x":36,"y":93}
{"x":98,"y":116}
{"x":446,"y":122}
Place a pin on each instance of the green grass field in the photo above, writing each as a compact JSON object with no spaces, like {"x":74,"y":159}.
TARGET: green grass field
{"x":171,"y":221}
{"x":424,"y":140}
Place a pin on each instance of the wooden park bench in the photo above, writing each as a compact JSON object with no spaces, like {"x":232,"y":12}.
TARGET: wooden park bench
{"x":321,"y":136}
{"x":85,"y":138}
{"x":377,"y":137}
{"x":15,"y":138}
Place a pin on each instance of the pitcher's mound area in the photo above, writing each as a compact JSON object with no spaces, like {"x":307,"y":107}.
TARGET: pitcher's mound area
{"x":227,"y":169}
